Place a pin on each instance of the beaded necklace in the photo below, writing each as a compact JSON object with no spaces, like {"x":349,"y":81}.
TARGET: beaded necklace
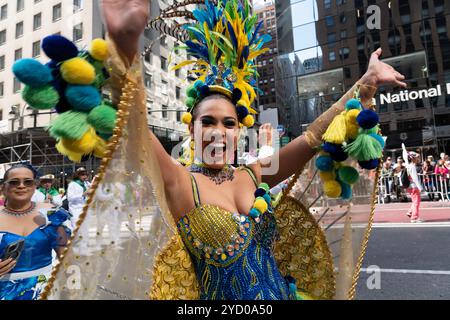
{"x":219,"y":176}
{"x":21,"y":213}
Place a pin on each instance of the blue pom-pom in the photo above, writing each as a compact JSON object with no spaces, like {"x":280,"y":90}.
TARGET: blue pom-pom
{"x":254,"y":213}
{"x":267,"y":198}
{"x":242,"y":112}
{"x":32,"y":73}
{"x":339,"y":156}
{"x":367,"y":119}
{"x":379,"y":139}
{"x":260,"y":192}
{"x":336,"y":151}
{"x":204,"y":90}
{"x":347,"y":192}
{"x":369,"y":165}
{"x":83,"y":98}
{"x":324,"y":163}
{"x":353,"y":104}
{"x":237,"y":95}
{"x":59,"y":48}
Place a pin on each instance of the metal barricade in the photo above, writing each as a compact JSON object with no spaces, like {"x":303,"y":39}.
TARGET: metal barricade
{"x":436,"y":186}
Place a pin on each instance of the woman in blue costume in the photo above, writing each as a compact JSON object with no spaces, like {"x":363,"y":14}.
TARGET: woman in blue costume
{"x":223,"y":213}
{"x":40,"y":227}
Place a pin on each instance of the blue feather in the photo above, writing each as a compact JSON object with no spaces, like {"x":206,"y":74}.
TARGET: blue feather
{"x":198,"y":50}
{"x":197,"y":33}
{"x":255,"y":33}
{"x":232,"y":35}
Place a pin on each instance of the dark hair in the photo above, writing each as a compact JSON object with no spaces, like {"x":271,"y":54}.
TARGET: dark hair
{"x":18,"y":166}
{"x":212,"y":96}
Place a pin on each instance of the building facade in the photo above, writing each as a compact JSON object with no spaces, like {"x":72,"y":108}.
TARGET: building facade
{"x":332,"y":40}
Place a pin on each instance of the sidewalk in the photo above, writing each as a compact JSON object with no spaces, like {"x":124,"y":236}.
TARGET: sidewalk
{"x":396,"y":212}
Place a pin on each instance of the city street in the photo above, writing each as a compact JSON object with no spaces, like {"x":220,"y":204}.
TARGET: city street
{"x":413,"y":259}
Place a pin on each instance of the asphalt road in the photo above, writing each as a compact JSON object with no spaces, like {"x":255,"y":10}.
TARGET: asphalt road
{"x":414,"y":264}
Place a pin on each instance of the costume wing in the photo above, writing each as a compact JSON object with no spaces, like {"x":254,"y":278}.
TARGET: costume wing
{"x":323,"y":241}
{"x":126,"y":218}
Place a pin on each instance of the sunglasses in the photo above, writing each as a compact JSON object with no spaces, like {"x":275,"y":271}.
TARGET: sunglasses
{"x":16,"y":183}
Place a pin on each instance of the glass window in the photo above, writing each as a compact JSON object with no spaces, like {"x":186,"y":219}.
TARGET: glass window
{"x":17,"y":85}
{"x":36,"y":49}
{"x":2,"y":37}
{"x":302,"y":12}
{"x":37,"y":21}
{"x":77,"y":5}
{"x":164,"y":112}
{"x":2,"y":63}
{"x":18,"y":54}
{"x":329,"y":21}
{"x":305,"y":36}
{"x":19,"y":29}
{"x":57,"y":12}
{"x":164,"y":63}
{"x":148,"y":80}
{"x":332,"y":56}
{"x":4,"y":12}
{"x":178,"y":92}
{"x":20,"y":5}
{"x":164,"y":87}
{"x":78,"y":32}
{"x":327,"y":4}
{"x":2,"y":87}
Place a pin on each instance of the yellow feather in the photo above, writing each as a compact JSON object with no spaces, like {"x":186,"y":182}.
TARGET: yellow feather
{"x":207,"y":35}
{"x":183,"y":64}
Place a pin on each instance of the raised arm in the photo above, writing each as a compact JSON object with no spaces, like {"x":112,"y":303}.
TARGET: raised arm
{"x":125,"y":21}
{"x":297,"y":153}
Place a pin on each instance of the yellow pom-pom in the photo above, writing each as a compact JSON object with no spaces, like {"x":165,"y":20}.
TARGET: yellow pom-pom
{"x":248,"y":121}
{"x":351,"y":116}
{"x":261,"y":205}
{"x":100,"y":148}
{"x":99,"y":49}
{"x":78,"y":71}
{"x":352,"y":131}
{"x":85,"y":145}
{"x":73,"y":156}
{"x":332,"y":189}
{"x":243,"y":103}
{"x":327,"y":175}
{"x":336,"y":132}
{"x":186,"y":118}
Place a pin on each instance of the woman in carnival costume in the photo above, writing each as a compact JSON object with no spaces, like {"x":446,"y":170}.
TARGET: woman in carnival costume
{"x":208,"y":230}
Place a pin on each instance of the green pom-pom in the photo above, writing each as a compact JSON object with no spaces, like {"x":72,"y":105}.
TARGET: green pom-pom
{"x":70,"y":125}
{"x":264,"y":186}
{"x":191,"y":91}
{"x":41,"y":98}
{"x":374,"y":130}
{"x":364,"y":148}
{"x":190,"y":102}
{"x":103,"y":118}
{"x":348,"y":175}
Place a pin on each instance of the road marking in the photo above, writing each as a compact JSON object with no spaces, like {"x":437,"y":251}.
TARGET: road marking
{"x":407,"y":271}
{"x":412,"y":225}
{"x":379,"y":210}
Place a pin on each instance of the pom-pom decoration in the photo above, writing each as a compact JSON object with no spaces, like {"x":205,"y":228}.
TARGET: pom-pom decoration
{"x":32,"y":73}
{"x":353,"y":133}
{"x":71,"y":83}
{"x":41,"y":98}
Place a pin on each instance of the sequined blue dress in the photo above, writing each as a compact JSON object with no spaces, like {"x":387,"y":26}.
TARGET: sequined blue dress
{"x":232,"y":254}
{"x":28,"y":277}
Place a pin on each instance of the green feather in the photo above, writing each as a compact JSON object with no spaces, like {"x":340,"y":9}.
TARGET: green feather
{"x":103,"y":118}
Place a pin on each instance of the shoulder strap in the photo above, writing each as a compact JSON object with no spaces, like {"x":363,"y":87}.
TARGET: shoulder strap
{"x":195,"y":191}
{"x":250,"y":172}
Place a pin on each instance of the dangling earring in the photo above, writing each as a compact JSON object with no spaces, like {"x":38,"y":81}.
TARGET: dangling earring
{"x":192,"y":153}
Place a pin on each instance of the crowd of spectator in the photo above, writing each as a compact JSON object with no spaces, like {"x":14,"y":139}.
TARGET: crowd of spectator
{"x":433,"y":173}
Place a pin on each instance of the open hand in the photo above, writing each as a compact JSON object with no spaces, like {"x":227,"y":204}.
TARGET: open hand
{"x":125,"y":20}
{"x":380,"y":73}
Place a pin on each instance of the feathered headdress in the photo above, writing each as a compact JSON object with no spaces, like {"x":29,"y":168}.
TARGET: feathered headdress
{"x":224,"y":42}
{"x":71,"y":83}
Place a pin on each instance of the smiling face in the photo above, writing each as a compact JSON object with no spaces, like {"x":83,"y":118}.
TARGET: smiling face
{"x":215,"y":130}
{"x":19,"y":185}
